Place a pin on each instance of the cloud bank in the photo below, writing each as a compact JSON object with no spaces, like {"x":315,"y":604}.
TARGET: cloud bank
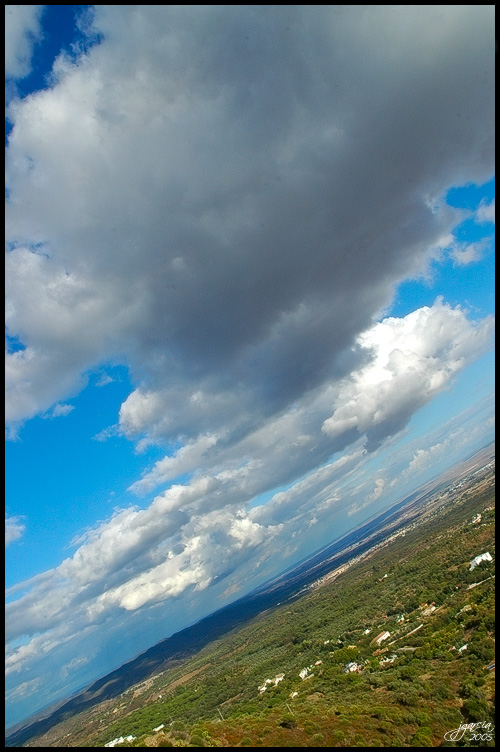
{"x":224,"y":198}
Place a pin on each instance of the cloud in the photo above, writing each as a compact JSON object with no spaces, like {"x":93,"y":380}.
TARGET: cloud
{"x":415,"y":358}
{"x":461,"y":436}
{"x":22,"y":31}
{"x":106,"y":433}
{"x":104,"y":380}
{"x":185,"y":460}
{"x":379,"y":488}
{"x":486,"y":212}
{"x":61,"y":410}
{"x":220,"y":201}
{"x":423,"y":457}
{"x":14,"y":529}
{"x":74,"y":665}
{"x":468,"y":253}
{"x":24,"y":689}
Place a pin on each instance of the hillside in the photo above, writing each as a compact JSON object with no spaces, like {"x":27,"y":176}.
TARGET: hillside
{"x":245,"y":689}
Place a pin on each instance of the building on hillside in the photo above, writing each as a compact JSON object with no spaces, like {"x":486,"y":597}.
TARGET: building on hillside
{"x":120,"y":740}
{"x":385,"y":661}
{"x":478,"y":559}
{"x":381,"y":637}
{"x":352,"y":666}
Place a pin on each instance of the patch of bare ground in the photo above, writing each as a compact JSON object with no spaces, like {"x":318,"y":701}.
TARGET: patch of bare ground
{"x":184,"y":679}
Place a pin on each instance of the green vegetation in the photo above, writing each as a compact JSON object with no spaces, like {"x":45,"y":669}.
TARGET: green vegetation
{"x":409,"y":691}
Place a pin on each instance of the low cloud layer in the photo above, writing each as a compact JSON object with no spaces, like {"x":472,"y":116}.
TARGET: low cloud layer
{"x":225,"y":199}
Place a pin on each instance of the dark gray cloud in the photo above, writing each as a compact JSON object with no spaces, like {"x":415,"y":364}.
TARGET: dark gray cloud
{"x":230,"y":195}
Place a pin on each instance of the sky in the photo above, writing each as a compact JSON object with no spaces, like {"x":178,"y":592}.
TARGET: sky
{"x":249,"y":302}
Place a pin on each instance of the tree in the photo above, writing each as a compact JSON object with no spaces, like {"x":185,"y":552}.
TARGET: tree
{"x":476,"y":709}
{"x":423,"y":738}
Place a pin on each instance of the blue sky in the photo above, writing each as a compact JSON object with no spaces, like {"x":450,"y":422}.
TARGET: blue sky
{"x":249,"y":302}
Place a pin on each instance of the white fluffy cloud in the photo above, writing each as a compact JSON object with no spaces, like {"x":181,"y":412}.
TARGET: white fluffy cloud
{"x":415,"y":358}
{"x":486,"y":212}
{"x":22,"y":31}
{"x":468,"y":253}
{"x":185,"y":460}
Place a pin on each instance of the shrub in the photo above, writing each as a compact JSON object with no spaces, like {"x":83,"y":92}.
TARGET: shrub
{"x":196,"y":741}
{"x":408,"y":672}
{"x":483,"y":649}
{"x":408,"y":698}
{"x":476,"y":709}
{"x":358,"y":741}
{"x":441,"y":692}
{"x":466,"y":688}
{"x":423,"y":738}
{"x":288,"y":721}
{"x":310,"y":727}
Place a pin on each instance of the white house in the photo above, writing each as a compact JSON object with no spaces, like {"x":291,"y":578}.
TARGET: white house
{"x":384,"y":661}
{"x":277,"y":679}
{"x":478,"y":559}
{"x":264,"y":686}
{"x":349,"y":667}
{"x":304,"y":674}
{"x":120,"y":740}
{"x":381,"y":637}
